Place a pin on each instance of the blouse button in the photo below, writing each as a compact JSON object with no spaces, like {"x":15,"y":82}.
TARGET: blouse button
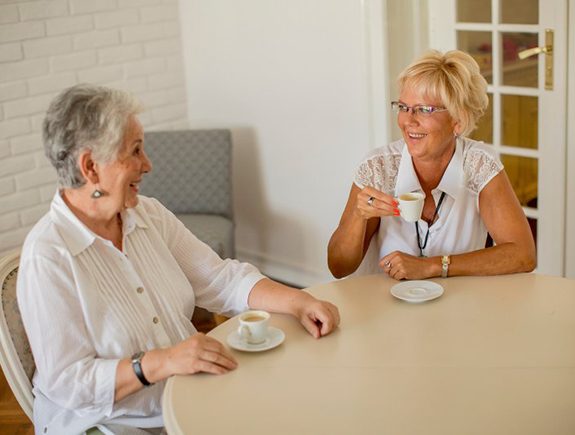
{"x":140,"y":289}
{"x":155,"y":320}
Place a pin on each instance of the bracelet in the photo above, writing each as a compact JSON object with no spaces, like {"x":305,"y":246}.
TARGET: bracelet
{"x":445,"y":262}
{"x":137,"y":366}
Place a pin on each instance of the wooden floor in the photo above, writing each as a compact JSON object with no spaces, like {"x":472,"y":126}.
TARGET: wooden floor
{"x":13,"y":421}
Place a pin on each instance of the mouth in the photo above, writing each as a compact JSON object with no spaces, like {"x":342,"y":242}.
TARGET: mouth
{"x":416,"y":135}
{"x":135,"y":186}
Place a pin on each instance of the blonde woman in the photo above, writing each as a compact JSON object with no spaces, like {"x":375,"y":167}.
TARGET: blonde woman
{"x":467,"y":192}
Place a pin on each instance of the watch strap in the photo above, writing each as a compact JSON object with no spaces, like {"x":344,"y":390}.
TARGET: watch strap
{"x":137,"y":366}
{"x":445,"y":262}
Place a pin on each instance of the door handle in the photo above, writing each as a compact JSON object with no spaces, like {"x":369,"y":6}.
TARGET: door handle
{"x":548,"y":51}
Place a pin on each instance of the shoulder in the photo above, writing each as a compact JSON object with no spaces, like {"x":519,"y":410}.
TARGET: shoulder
{"x":44,"y":241}
{"x":480,"y":164}
{"x":379,"y":167}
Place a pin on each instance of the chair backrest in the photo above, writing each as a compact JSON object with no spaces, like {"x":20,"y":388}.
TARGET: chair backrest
{"x":15,"y":354}
{"x":191,"y":171}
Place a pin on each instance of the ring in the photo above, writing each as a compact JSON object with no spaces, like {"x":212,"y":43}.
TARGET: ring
{"x":370,"y":201}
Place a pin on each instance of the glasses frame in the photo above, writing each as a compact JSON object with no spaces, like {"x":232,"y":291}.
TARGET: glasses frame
{"x":418,"y":109}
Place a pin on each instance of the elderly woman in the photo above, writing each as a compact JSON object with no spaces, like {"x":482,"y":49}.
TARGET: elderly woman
{"x":467,"y":193}
{"x":108,"y":279}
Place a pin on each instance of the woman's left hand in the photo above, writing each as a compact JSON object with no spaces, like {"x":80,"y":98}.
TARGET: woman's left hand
{"x":319,"y":318}
{"x":399,"y":265}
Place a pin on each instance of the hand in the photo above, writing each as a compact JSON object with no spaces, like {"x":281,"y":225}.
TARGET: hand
{"x":399,"y":265}
{"x":319,"y":318}
{"x":199,"y":353}
{"x":371,"y":203}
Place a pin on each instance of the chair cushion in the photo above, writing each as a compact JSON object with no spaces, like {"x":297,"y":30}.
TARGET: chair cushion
{"x":15,"y":325}
{"x":216,"y":231}
{"x":191,"y":171}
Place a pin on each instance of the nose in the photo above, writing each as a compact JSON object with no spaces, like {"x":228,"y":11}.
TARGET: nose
{"x":146,"y":163}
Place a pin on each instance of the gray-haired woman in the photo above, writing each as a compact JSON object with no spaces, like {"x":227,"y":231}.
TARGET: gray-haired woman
{"x":109,"y":279}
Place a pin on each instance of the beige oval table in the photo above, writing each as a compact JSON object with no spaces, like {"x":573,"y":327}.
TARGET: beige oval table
{"x":493,"y":355}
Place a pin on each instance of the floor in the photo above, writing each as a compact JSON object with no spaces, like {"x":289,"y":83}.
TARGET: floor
{"x":13,"y":421}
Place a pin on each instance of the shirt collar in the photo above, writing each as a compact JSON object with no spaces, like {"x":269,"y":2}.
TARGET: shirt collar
{"x":450,"y":183}
{"x":78,"y":236}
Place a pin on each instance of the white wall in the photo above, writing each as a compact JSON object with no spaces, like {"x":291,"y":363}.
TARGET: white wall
{"x":294,"y":80}
{"x":48,"y":45}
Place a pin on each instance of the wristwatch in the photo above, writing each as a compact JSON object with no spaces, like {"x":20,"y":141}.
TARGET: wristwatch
{"x":137,"y":366}
{"x":445,"y":262}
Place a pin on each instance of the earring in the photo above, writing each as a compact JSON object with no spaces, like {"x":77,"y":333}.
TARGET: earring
{"x":96,"y":194}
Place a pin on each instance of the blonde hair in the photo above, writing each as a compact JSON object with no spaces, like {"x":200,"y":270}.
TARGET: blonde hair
{"x":453,"y":78}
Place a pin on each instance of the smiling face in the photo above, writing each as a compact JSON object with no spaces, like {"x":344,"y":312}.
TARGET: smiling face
{"x":120,"y":178}
{"x":428,"y":137}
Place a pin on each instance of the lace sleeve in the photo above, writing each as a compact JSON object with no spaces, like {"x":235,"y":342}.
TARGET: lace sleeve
{"x":379,"y":172}
{"x":480,"y":166}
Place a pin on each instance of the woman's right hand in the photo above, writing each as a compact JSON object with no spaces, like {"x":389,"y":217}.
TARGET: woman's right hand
{"x":199,"y":353}
{"x":370,"y":203}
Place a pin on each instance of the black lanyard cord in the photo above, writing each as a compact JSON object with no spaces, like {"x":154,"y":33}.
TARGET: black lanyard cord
{"x":421,"y":248}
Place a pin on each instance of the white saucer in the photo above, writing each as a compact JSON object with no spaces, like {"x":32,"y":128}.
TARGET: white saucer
{"x":275,"y":337}
{"x":417,"y":291}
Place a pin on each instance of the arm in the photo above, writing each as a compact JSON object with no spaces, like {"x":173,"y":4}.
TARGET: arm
{"x":514,"y":251}
{"x":359,"y":222}
{"x":319,"y":318}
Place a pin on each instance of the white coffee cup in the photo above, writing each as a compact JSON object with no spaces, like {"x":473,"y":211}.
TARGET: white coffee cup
{"x":253,"y":327}
{"x":411,"y":205}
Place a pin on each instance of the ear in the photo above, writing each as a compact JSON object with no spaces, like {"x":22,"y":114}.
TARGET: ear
{"x":457,"y":129}
{"x":88,"y":167}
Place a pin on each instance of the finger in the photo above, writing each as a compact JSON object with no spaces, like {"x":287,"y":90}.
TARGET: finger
{"x":227,"y":361}
{"x":311,"y":326}
{"x":208,"y":367}
{"x":335,"y":312}
{"x":326,"y":321}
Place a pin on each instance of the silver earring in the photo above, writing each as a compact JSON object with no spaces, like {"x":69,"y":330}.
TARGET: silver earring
{"x":96,"y":194}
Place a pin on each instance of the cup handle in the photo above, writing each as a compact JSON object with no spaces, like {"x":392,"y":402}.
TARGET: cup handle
{"x":244,"y":332}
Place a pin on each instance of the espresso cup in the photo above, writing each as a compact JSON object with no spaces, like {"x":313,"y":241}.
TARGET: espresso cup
{"x":253,"y":327}
{"x":411,"y":205}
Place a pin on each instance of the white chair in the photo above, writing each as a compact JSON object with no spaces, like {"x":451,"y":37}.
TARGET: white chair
{"x":15,"y":354}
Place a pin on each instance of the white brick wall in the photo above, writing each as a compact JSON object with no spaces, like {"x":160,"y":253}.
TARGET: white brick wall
{"x":46,"y":46}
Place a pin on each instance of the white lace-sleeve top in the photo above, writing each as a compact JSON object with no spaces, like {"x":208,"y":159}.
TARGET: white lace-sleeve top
{"x":459,"y":227}
{"x":86,"y":305}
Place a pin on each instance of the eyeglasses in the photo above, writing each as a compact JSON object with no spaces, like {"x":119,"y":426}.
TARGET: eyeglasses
{"x":419,"y":109}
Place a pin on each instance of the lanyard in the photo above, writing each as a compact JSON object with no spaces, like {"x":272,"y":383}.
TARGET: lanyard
{"x":421,"y":248}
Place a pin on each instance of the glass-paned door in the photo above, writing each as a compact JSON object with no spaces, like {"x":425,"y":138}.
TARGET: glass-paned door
{"x":526,"y":119}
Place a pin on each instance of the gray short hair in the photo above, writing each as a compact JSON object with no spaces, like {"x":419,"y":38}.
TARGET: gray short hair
{"x":455,"y":79}
{"x":85,"y":117}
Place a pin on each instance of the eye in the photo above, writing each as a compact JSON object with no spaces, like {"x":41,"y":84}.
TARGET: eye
{"x":403,"y":107}
{"x":425,"y":110}
{"x":137,"y":151}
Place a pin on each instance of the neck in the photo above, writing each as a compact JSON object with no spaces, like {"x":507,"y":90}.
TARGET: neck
{"x":430,"y":172}
{"x":102,"y":221}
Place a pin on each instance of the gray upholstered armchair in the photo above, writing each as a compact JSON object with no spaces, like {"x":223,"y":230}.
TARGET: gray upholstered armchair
{"x":191,"y":176}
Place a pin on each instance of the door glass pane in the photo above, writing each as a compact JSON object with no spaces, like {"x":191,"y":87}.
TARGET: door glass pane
{"x":519,"y":11}
{"x":519,"y":123}
{"x":484,"y":130}
{"x":518,"y":72}
{"x":533,"y":226}
{"x":478,"y":45}
{"x":474,"y":11}
{"x":522,"y":172}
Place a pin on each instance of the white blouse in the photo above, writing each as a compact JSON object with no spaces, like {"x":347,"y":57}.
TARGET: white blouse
{"x":86,"y":305}
{"x":459,"y":227}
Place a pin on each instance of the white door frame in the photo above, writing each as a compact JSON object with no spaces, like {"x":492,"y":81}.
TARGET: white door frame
{"x":570,"y":179}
